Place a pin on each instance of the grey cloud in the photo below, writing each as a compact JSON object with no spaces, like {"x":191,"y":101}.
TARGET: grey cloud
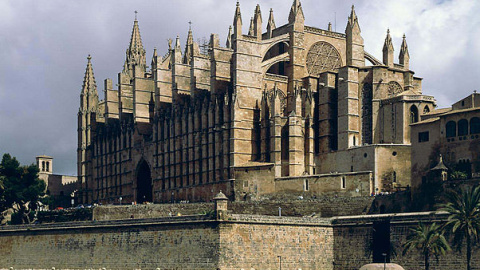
{"x":45,"y":44}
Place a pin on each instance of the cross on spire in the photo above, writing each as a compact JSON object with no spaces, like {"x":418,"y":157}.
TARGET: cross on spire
{"x":190,"y":25}
{"x":136,"y":15}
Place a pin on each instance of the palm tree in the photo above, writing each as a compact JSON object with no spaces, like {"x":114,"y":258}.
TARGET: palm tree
{"x":464,"y":218}
{"x":428,"y":239}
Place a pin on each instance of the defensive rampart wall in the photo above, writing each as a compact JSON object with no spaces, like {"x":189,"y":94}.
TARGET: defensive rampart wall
{"x":226,"y":241}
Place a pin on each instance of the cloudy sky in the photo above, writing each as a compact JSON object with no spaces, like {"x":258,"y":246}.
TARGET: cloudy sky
{"x":44,"y":45}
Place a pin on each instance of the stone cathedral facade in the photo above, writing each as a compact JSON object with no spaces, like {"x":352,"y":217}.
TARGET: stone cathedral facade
{"x":293,"y":109}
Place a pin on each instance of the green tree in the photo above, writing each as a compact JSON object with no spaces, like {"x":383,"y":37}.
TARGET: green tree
{"x":464,"y":218}
{"x":2,"y":199}
{"x":429,"y":239}
{"x":22,"y":187}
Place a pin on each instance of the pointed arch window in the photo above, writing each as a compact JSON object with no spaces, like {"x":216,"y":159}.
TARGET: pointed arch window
{"x":426,"y":109}
{"x":413,"y":114}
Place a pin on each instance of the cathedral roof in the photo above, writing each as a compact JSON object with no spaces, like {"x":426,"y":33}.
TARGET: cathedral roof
{"x":426,"y":121}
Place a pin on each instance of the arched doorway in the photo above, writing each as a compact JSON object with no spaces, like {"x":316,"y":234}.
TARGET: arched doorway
{"x":144,"y":182}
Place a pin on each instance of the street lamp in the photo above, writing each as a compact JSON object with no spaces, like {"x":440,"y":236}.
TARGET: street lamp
{"x":120,"y":199}
{"x":72,"y":198}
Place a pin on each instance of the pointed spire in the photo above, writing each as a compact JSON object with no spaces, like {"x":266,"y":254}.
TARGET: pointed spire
{"x":89,"y":83}
{"x":270,"y":24}
{"x":352,"y":19}
{"x":188,"y":47}
{"x":388,"y":45}
{"x":296,"y":12}
{"x":177,"y":52}
{"x":388,"y":50}
{"x":257,"y":23}
{"x":404,"y":45}
{"x":404,"y":57}
{"x":177,"y":43}
{"x":271,"y":19}
{"x":251,"y":31}
{"x":154,"y":58}
{"x":229,"y":37}
{"x":237,"y":21}
{"x":89,"y":88}
{"x":135,"y":55}
{"x":352,"y":23}
{"x":355,"y":50}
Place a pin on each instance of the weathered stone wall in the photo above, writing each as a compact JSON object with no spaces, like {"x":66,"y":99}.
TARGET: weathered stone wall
{"x":150,"y":211}
{"x":236,"y":242}
{"x":320,"y":207}
{"x":256,"y":242}
{"x":341,"y":184}
{"x":252,"y":181}
{"x":353,"y":242}
{"x":184,"y":243}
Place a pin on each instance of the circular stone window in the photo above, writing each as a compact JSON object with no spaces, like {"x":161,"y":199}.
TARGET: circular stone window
{"x":322,"y":57}
{"x":394,"y":88}
{"x":394,"y":153}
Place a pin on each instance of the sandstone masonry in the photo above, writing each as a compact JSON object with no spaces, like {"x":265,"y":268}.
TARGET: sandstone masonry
{"x":257,"y":116}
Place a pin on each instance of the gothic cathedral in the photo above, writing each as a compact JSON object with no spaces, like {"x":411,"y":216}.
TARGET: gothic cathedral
{"x":293,"y":109}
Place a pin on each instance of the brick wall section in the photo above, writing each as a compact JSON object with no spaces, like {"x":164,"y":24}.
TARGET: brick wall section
{"x":321,"y":207}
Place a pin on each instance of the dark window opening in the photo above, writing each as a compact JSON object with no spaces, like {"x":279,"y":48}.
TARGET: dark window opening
{"x":285,"y":150}
{"x":278,"y":68}
{"x":381,"y":240}
{"x":367,"y":122}
{"x":426,"y":109}
{"x":413,"y":114}
{"x":423,"y":136}
{"x":276,"y":50}
{"x":462,"y":127}
{"x":144,"y":183}
{"x":475,"y":125}
{"x":451,"y":129}
{"x":256,"y":136}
